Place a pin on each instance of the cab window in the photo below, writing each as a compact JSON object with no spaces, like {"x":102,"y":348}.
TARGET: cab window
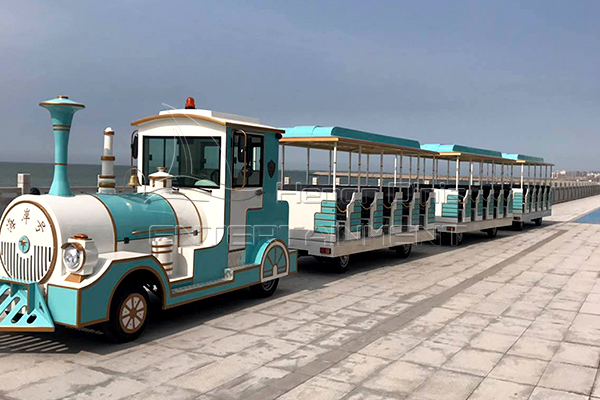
{"x":193,"y":161}
{"x":247,"y":160}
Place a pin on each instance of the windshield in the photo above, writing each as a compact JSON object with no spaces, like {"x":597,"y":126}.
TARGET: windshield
{"x":193,"y":161}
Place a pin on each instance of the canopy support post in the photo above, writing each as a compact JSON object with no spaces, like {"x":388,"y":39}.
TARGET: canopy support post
{"x":381,"y":171}
{"x":360,"y":166}
{"x":282,"y":172}
{"x":457,"y":173}
{"x":307,"y":164}
{"x":334,"y":166}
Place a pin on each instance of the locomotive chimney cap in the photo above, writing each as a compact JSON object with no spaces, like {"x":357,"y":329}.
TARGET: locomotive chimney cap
{"x":61,"y":100}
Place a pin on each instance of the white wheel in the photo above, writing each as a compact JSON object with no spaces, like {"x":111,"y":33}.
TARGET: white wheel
{"x":275,"y":262}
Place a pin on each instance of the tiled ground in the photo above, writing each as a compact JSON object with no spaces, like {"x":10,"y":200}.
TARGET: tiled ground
{"x":517,"y":317}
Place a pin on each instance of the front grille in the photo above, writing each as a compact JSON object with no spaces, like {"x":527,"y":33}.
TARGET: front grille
{"x":32,"y":266}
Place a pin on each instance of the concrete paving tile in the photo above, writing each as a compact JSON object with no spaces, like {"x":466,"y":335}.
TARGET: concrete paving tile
{"x":431,"y":354}
{"x":569,"y":378}
{"x":309,"y":332}
{"x":249,"y":383}
{"x":338,"y":337}
{"x":572,"y":353}
{"x":117,"y":388}
{"x":508,"y":326}
{"x":590,"y":308}
{"x":395,"y":309}
{"x":138,"y":358}
{"x":547,"y":330}
{"x":343,"y":318}
{"x":491,"y":307}
{"x":61,"y":386}
{"x":214,"y":375}
{"x":364,"y":394}
{"x":493,"y":341}
{"x":195,"y":338}
{"x":457,"y":335}
{"x":473,"y":361}
{"x":369,"y":322}
{"x":14,"y":379}
{"x":268,"y":350}
{"x":589,"y":336}
{"x":318,"y":388}
{"x":494,"y":389}
{"x":399,"y":378}
{"x":439,"y":315}
{"x":340,"y":301}
{"x":519,"y":369}
{"x":523,"y":310}
{"x":172,"y":367}
{"x":298,"y":358}
{"x":532,"y":347}
{"x":284,"y":309}
{"x":557,"y":316}
{"x":276,"y":328}
{"x":446,"y":385}
{"x":230,"y":345}
{"x":472,"y":319}
{"x":370,"y":305}
{"x":565,"y":305}
{"x":241,"y":321}
{"x":390,"y":347}
{"x":166,"y":392}
{"x":421,"y":330}
{"x":355,"y":368}
{"x":541,"y":393}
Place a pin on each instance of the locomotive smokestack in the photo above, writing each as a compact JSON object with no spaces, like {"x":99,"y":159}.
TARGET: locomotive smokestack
{"x":61,"y":111}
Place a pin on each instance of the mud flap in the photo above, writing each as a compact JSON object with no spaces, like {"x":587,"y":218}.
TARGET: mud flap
{"x":23,"y":308}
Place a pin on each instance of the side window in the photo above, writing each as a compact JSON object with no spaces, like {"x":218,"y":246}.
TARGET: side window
{"x":247,"y":163}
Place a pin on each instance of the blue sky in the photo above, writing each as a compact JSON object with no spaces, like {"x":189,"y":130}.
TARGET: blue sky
{"x":516,"y":76}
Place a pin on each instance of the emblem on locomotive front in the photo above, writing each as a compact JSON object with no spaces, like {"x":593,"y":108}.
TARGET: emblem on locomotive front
{"x":24,"y":244}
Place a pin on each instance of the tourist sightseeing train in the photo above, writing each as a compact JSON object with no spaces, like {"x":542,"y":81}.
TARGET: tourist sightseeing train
{"x":209,"y":210}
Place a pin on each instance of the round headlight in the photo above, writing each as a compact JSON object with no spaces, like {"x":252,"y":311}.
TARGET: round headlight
{"x":73,"y":257}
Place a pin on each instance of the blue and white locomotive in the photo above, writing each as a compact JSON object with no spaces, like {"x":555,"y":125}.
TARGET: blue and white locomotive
{"x":209,"y":225}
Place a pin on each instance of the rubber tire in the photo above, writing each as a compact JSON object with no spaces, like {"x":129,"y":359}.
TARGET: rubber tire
{"x":457,"y":239}
{"x":518,"y":225}
{"x":492,"y":232}
{"x":538,"y":221}
{"x":445,"y":239}
{"x":403,"y":251}
{"x":340,"y":265}
{"x":264,"y":289}
{"x":112,"y":329}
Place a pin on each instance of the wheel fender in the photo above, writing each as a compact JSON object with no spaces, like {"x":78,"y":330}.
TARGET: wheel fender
{"x":274,"y":260}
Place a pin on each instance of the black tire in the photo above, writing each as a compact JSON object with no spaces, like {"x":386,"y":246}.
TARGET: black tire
{"x":457,"y":239}
{"x":538,"y":221}
{"x":402,"y":251}
{"x":518,"y":225}
{"x":264,"y":289}
{"x":445,"y":239}
{"x":492,"y":232}
{"x":133,"y":300}
{"x":340,"y":264}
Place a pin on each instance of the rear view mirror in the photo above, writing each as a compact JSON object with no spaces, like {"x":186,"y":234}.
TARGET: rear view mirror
{"x":134,"y":145}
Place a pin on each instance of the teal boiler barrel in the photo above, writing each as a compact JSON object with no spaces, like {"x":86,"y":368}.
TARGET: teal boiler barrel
{"x":61,"y":111}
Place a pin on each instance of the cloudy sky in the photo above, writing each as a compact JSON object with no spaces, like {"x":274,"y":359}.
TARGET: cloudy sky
{"x":516,"y":76}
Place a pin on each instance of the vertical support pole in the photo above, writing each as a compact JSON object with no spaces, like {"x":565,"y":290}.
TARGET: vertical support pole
{"x":335,"y":154}
{"x":433,"y":171}
{"x":329,"y":176}
{"x":448,"y":174}
{"x":409,"y":170}
{"x":401,"y":162}
{"x":282,"y":164}
{"x":360,"y":165}
{"x":368,"y":162}
{"x":457,"y":173}
{"x":418,"y":170}
{"x":395,"y":169}
{"x":470,"y":175}
{"x":522,"y":177}
{"x":349,"y":167}
{"x":307,"y":164}
{"x":381,"y":171}
{"x":481,"y":174}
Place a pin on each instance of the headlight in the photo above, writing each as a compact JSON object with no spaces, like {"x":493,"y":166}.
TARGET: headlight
{"x":73,"y":256}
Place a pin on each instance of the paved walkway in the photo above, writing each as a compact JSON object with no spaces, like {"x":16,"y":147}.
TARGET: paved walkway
{"x":517,"y":317}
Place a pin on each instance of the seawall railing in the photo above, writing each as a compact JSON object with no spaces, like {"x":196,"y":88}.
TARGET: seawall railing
{"x":563,"y":190}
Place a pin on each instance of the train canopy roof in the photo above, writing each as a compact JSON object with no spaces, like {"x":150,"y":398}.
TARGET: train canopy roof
{"x":464,"y":152}
{"x":321,"y":137}
{"x":524,"y":159}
